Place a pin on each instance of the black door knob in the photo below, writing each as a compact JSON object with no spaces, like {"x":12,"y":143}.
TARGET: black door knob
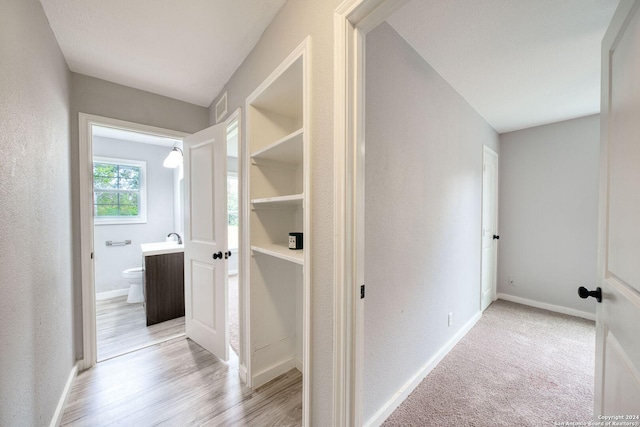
{"x":227,"y":254}
{"x":496,"y":237}
{"x":586,"y":293}
{"x":217,"y":255}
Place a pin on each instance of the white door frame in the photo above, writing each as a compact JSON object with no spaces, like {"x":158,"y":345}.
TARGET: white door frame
{"x":353,"y":19}
{"x":85,"y":176}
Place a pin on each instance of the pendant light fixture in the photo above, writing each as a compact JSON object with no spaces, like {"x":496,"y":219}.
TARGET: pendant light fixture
{"x":174,"y":159}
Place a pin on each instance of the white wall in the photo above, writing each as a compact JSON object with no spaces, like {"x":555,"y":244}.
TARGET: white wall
{"x":36,"y":328}
{"x":110,"y":261}
{"x":295,"y":21}
{"x":422,"y":215}
{"x":548,"y":212}
{"x":94,"y":96}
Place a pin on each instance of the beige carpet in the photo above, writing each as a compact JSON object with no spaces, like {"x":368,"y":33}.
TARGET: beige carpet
{"x":519,"y":366}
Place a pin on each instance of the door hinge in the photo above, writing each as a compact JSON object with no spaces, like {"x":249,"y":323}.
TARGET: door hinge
{"x":91,"y":255}
{"x":361,"y":291}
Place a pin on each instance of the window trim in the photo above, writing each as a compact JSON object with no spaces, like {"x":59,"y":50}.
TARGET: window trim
{"x":142,"y":199}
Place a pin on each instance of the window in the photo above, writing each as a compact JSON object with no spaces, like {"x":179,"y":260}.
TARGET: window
{"x":119,"y":191}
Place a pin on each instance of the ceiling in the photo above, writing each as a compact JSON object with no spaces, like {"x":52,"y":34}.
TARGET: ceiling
{"x":519,"y":63}
{"x":185,"y":50}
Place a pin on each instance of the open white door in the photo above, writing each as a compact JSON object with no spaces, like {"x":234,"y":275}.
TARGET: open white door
{"x":617,"y":376}
{"x":489,"y":226}
{"x":205,"y":239}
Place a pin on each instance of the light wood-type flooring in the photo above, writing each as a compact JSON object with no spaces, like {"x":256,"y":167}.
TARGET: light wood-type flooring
{"x":178,"y":383}
{"x":122,"y":327}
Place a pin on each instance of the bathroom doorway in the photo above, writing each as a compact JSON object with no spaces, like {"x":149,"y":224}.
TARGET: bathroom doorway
{"x":137,"y":216}
{"x":99,"y":304}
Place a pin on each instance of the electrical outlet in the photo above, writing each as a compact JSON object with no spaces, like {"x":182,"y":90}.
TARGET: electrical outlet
{"x":450,"y":319}
{"x":513,"y":281}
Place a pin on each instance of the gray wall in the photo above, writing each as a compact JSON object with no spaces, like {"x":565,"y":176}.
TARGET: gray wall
{"x":423,"y":195}
{"x":35,"y":222}
{"x":110,"y":261}
{"x":296,"y":20}
{"x":94,"y":96}
{"x":549,"y":212}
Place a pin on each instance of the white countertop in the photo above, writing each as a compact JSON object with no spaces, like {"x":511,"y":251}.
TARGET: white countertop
{"x":159,"y":248}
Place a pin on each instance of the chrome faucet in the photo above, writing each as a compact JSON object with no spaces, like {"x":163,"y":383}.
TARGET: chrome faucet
{"x":178,"y":236}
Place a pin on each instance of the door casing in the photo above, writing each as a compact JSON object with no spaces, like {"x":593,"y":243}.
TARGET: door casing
{"x":85,"y":168}
{"x":353,"y":19}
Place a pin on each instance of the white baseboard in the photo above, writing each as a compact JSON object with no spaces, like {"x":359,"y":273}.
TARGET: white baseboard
{"x":545,"y":306}
{"x":111,"y":294}
{"x":272,"y":372}
{"x":298,"y":364}
{"x":392,"y":404}
{"x":62,"y":403}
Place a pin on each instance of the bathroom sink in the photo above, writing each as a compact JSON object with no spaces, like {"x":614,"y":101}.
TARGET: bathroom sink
{"x":159,"y":248}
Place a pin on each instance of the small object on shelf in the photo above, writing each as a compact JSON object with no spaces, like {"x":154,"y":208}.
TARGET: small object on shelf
{"x":295,"y":240}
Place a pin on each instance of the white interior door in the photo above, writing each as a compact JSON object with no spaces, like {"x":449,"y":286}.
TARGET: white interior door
{"x":205,"y":242}
{"x":617,"y":376}
{"x":489,"y":226}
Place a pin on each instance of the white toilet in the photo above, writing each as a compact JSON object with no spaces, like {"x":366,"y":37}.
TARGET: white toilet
{"x":133,"y":276}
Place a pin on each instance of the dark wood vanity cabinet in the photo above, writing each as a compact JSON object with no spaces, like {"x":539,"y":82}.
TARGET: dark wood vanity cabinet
{"x":164,"y":287}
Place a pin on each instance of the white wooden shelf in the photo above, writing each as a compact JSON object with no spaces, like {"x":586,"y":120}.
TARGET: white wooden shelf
{"x":291,"y":200}
{"x":287,"y":149}
{"x":280,"y":251}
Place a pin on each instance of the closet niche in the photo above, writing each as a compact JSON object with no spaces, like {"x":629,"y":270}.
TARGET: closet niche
{"x":277,"y":159}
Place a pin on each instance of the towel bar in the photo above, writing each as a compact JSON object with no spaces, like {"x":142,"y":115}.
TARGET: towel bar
{"x":112,"y":243}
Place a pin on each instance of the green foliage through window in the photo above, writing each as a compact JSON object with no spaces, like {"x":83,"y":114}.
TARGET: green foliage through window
{"x":116,"y":190}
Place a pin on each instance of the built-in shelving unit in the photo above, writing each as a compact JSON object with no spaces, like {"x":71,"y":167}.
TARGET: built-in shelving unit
{"x":277,"y":172}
